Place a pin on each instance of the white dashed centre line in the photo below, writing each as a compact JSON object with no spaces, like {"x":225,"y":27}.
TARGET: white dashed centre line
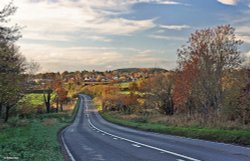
{"x":138,"y":146}
{"x":144,"y":145}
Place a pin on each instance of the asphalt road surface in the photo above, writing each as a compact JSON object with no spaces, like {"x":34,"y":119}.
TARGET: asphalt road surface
{"x":91,"y":138}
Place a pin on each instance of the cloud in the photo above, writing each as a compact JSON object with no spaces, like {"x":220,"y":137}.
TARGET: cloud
{"x":57,"y":22}
{"x":54,"y":58}
{"x":243,"y":33}
{"x":175,"y":27}
{"x":244,"y":38}
{"x":62,"y":19}
{"x":98,"y":38}
{"x":243,"y":29}
{"x":246,"y":59}
{"x":169,"y":2}
{"x":74,"y":58}
{"x":168,"y":37}
{"x":119,"y":26}
{"x":247,"y":54}
{"x":228,"y":2}
{"x":45,"y":36}
{"x":160,"y":31}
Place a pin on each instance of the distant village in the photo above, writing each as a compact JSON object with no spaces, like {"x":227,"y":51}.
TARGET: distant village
{"x":96,"y":77}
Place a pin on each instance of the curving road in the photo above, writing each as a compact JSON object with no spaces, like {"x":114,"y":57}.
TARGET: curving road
{"x":91,"y":138}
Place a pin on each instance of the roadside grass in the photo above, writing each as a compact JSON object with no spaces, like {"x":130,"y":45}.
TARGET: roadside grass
{"x":34,"y":139}
{"x":35,"y":142}
{"x":241,"y":137}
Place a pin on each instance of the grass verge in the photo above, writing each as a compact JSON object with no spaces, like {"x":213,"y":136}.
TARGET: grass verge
{"x":34,"y":139}
{"x":241,"y":137}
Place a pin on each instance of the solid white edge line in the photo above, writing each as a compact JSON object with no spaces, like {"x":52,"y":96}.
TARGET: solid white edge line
{"x":145,"y":145}
{"x":66,"y":147}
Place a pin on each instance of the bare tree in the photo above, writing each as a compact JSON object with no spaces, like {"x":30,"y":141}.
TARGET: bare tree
{"x":32,"y":68}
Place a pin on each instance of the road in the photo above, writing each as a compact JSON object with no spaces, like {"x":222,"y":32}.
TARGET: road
{"x":91,"y":138}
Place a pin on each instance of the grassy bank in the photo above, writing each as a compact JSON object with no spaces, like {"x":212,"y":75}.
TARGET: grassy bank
{"x":241,"y":137}
{"x":33,"y":139}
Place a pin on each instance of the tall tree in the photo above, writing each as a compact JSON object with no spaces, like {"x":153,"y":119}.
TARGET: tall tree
{"x":12,"y":63}
{"x":216,"y":51}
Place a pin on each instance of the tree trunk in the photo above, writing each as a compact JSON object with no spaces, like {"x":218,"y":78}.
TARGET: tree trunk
{"x":7,"y":113}
{"x":57,"y":104}
{"x":47,"y":107}
{"x":244,"y":116}
{"x":168,"y":106}
{"x":1,"y":107}
{"x":61,"y":106}
{"x":47,"y":101}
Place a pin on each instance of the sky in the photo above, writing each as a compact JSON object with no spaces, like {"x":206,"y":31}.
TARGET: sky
{"x":110,"y":34}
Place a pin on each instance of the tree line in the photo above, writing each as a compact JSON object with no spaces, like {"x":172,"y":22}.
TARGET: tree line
{"x":212,"y":81}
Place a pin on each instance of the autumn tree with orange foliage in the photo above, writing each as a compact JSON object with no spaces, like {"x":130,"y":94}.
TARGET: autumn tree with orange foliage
{"x":185,"y":81}
{"x":203,"y":62}
{"x":110,"y":98}
{"x":108,"y":94}
{"x":61,"y":94}
{"x":120,"y":102}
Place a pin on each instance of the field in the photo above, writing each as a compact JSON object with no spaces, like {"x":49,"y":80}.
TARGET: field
{"x":124,"y":88}
{"x":124,"y":84}
{"x":37,"y":99}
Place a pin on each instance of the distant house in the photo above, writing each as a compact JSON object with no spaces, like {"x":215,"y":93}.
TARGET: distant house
{"x":104,"y":80}
{"x":115,"y":78}
{"x":86,"y":79}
